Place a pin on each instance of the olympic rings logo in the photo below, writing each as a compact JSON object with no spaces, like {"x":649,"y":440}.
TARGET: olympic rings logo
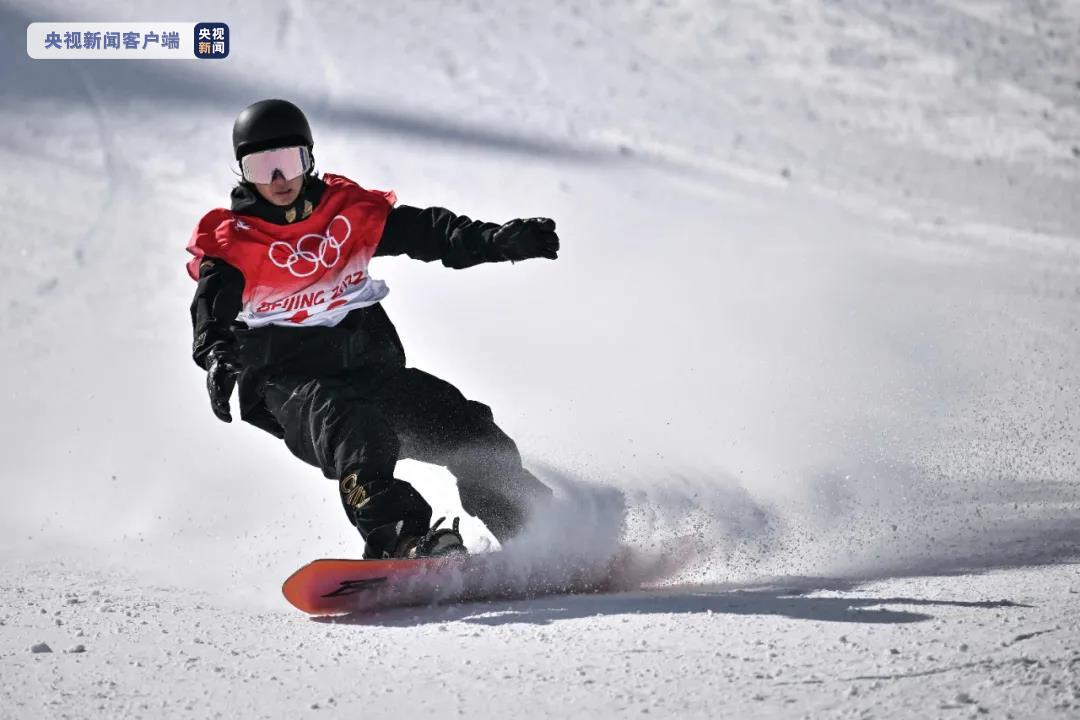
{"x":312,"y":252}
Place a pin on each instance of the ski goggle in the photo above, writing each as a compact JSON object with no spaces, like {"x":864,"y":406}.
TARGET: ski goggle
{"x":261,"y":167}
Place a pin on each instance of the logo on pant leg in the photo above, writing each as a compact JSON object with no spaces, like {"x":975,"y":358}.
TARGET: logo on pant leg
{"x":354,"y":495}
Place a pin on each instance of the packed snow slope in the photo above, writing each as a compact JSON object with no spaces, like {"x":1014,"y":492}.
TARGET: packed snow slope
{"x":815,"y":325}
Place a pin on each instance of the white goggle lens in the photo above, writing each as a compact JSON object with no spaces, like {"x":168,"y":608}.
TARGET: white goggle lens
{"x":261,"y":167}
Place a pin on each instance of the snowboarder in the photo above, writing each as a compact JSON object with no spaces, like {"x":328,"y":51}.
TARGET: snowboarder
{"x":285,"y":309}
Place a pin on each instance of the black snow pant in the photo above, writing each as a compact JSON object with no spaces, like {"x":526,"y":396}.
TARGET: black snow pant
{"x":356,"y":425}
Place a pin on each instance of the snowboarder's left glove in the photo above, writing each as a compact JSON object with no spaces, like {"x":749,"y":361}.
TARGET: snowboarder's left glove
{"x":527,"y":238}
{"x":221,"y":372}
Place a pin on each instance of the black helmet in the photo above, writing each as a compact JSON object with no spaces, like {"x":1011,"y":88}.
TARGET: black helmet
{"x":270,"y":124}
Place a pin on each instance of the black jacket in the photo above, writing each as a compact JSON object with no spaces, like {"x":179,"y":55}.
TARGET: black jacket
{"x":363,"y":337}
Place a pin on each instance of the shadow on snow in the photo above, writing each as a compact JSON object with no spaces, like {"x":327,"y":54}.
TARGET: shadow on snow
{"x":790,"y":602}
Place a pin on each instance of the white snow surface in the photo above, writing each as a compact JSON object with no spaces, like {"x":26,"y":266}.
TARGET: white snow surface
{"x":814,"y":330}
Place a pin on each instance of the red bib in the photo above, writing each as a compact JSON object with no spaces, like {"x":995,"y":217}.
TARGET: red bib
{"x":312,"y":272}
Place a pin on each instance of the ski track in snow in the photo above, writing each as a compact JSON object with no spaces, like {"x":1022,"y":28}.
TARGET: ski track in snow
{"x":812,"y":338}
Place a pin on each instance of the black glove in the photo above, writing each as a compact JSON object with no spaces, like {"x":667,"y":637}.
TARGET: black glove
{"x":221,"y":372}
{"x":527,"y":238}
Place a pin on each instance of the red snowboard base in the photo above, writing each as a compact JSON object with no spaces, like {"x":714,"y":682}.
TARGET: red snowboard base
{"x":332,"y":587}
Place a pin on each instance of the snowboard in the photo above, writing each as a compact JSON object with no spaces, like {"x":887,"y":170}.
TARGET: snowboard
{"x":338,"y":586}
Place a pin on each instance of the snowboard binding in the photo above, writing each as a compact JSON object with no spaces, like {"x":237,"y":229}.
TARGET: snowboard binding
{"x":435,"y":542}
{"x":389,"y":542}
